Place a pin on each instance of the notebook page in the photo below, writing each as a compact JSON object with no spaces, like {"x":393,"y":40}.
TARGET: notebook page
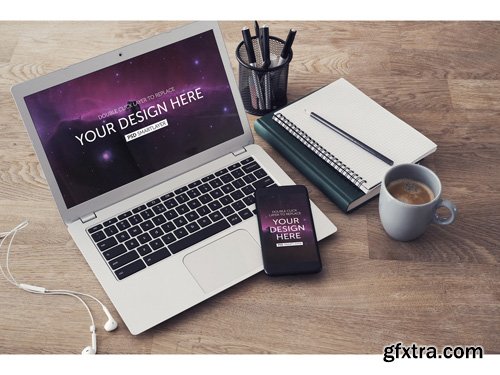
{"x":354,"y":112}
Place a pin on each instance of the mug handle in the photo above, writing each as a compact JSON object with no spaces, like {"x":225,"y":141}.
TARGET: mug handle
{"x":453,"y":212}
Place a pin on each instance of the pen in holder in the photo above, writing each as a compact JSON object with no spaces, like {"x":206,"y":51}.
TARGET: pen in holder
{"x":263,"y":86}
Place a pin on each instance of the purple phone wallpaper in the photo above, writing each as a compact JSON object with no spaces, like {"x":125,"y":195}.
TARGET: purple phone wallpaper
{"x":286,"y":225}
{"x":113,"y":126}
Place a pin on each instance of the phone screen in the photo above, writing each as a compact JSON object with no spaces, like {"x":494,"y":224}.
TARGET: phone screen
{"x":287,"y":235}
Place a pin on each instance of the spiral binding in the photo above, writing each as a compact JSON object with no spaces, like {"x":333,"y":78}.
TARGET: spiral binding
{"x":319,"y":150}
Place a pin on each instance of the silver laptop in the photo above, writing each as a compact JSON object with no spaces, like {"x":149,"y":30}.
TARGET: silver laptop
{"x":151,"y":161}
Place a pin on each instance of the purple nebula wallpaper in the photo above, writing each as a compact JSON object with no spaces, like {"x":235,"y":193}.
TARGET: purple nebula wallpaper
{"x":113,"y":126}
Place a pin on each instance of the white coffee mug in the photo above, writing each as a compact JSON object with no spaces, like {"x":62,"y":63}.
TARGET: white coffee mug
{"x":403,"y":221}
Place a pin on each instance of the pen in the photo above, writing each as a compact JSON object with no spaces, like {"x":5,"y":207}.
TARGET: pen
{"x":351,"y":138}
{"x":247,"y":39}
{"x":257,"y":34}
{"x":287,"y":47}
{"x":266,"y":57}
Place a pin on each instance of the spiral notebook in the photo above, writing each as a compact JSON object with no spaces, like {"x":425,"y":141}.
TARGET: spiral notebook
{"x":351,"y":110}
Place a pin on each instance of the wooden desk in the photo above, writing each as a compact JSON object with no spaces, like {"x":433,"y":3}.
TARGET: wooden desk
{"x":442,"y":78}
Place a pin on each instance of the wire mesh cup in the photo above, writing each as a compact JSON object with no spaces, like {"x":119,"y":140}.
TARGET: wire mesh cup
{"x":263,"y":89}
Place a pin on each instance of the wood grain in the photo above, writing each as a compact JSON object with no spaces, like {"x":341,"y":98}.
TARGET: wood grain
{"x":443,"y":289}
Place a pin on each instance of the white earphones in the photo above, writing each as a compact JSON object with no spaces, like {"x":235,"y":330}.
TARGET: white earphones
{"x":109,"y":326}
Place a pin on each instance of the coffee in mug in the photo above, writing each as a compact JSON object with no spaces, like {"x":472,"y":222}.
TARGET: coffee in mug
{"x":410,"y":191}
{"x":410,"y":197}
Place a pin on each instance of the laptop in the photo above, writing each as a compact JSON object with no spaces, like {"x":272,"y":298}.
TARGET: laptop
{"x":151,"y":161}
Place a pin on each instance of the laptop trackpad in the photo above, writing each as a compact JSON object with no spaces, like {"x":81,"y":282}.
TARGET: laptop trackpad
{"x":221,"y":262}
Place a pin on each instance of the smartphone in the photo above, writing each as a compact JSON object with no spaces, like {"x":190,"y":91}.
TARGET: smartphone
{"x":286,"y":227}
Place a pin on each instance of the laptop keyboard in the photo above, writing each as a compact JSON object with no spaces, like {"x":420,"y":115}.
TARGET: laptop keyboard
{"x":164,"y":226}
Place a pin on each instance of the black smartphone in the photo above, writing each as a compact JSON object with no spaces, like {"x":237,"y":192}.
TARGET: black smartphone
{"x":286,"y":227}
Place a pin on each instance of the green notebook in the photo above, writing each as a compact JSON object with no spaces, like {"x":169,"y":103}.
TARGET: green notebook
{"x":345,"y":173}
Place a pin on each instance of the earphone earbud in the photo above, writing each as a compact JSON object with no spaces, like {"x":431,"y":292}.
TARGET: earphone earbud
{"x":91,"y":349}
{"x":111,"y":324}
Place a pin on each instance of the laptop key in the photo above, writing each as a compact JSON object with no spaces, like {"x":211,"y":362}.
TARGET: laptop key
{"x":250,"y":167}
{"x":216,"y":183}
{"x":249,"y":200}
{"x":182,"y":209}
{"x":139,"y":209}
{"x":172,"y":214}
{"x":238,"y":183}
{"x":147,"y":214}
{"x":234,"y":219}
{"x":266,"y":181}
{"x":215,"y":205}
{"x":245,"y":214}
{"x":250,"y":178}
{"x":182,"y":198}
{"x":247,"y":160}
{"x":195,"y":203}
{"x":98,"y":236}
{"x":156,"y":244}
{"x":110,"y":221}
{"x":124,"y":215}
{"x":159,"y":220}
{"x":237,"y":173}
{"x":136,"y":219}
{"x":248,"y":189}
{"x":208,"y":178}
{"x":156,"y":232}
{"x":237,"y":195}
{"x":111,"y":230}
{"x":159,"y":208}
{"x":205,"y":198}
{"x":134,"y":231}
{"x":193,"y":193}
{"x":226,"y":211}
{"x":156,"y":256}
{"x":259,"y":173}
{"x":122,"y":236}
{"x":171,"y":203}
{"x":114,"y":252}
{"x":217,"y":193}
{"x":107,"y":243}
{"x":227,"y":188}
{"x":131,"y":244}
{"x":147,"y":225}
{"x":205,"y":188}
{"x":215,"y":216}
{"x":144,"y":238}
{"x":204,"y":221}
{"x":154,"y":202}
{"x":221,"y":172}
{"x":192,"y":227}
{"x":203,"y":210}
{"x":181,"y":232}
{"x":234,"y":166}
{"x":225,"y":200}
{"x":181,"y":190}
{"x":130,"y":269}
{"x":198,"y":236}
{"x":180,"y":222}
{"x":168,"y":227}
{"x":238,"y":205}
{"x":166,"y":196}
{"x":193,"y":184}
{"x":122,"y":225}
{"x":191,"y":216}
{"x":168,"y":238}
{"x":144,"y":249}
{"x":95,"y":228}
{"x":123,"y":259}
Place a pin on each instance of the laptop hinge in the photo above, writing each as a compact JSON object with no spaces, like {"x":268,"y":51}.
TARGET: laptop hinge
{"x":240,"y":151}
{"x":87,"y":218}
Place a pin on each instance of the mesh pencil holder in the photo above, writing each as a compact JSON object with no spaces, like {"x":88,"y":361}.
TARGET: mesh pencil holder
{"x":263,"y":89}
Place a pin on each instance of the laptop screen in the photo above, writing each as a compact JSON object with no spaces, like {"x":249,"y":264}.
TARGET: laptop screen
{"x":110,"y":127}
